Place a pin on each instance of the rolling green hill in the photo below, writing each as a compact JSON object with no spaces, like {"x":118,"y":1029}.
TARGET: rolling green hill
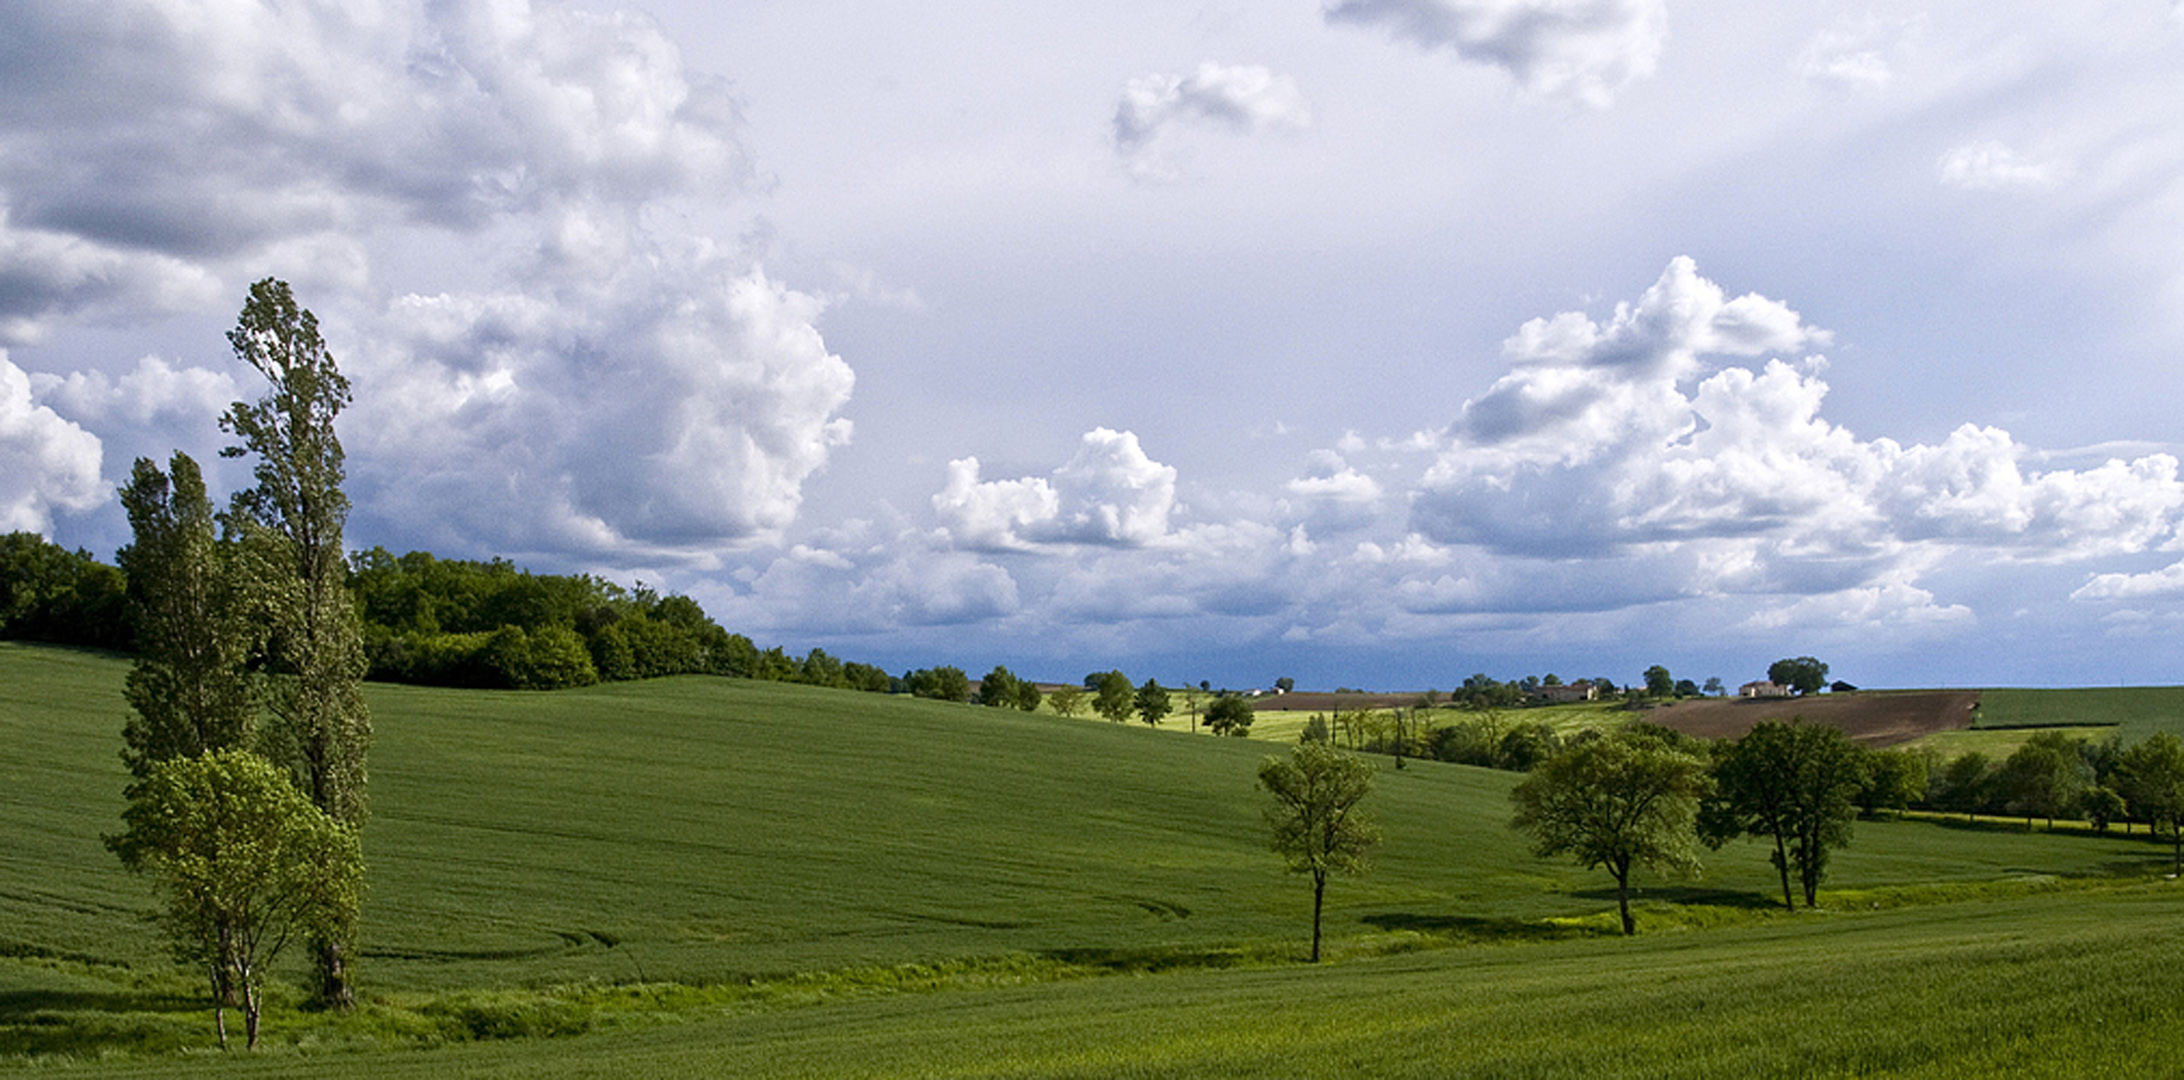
{"x":709,"y":832}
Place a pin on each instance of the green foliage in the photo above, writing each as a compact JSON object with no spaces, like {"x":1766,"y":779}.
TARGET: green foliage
{"x":242,"y":862}
{"x":1150,"y":702}
{"x":1793,"y":784}
{"x":1066,"y":700}
{"x":998,"y":689}
{"x":190,"y":689}
{"x":1659,"y":683}
{"x":1028,"y":696}
{"x":48,"y":593}
{"x":1802,"y":674}
{"x":1113,"y":698}
{"x":2150,"y":776}
{"x":940,"y":684}
{"x":1317,"y":826}
{"x":1894,"y":780}
{"x":2044,"y":778}
{"x":1231,"y":715}
{"x":1618,"y":801}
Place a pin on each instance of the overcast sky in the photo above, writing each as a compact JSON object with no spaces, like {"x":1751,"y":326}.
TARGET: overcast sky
{"x":1370,"y":342}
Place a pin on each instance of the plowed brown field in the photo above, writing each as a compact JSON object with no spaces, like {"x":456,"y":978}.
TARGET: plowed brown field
{"x":1875,"y":718}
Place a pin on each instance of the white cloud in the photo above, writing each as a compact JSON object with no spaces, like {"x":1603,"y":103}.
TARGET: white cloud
{"x":1896,"y":605}
{"x":1591,"y":447}
{"x":1110,"y":493}
{"x":152,"y":390}
{"x":1333,"y":495}
{"x":1858,"y":55}
{"x":46,"y":463}
{"x":1245,"y":99}
{"x":1992,"y":166}
{"x":617,"y":425}
{"x":599,"y":374}
{"x":1582,"y":50}
{"x":2166,"y":583}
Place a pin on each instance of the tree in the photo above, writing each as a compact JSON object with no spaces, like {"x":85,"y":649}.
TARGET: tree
{"x":48,"y":593}
{"x":1713,"y":687}
{"x":1659,"y":683}
{"x":1285,"y":684}
{"x":1894,"y":780}
{"x":1685,"y":688}
{"x":1230,"y":715}
{"x":1793,"y":783}
{"x":1965,"y":784}
{"x":1151,"y":702}
{"x":2150,"y":776}
{"x":2043,"y":778}
{"x":998,"y":688}
{"x":1801,"y":674}
{"x":1067,"y":700}
{"x":291,"y":522}
{"x":243,"y":862}
{"x":1617,"y":801}
{"x":1316,"y":823}
{"x":944,"y":683}
{"x":190,"y":685}
{"x":1114,"y":699}
{"x":1028,"y":695}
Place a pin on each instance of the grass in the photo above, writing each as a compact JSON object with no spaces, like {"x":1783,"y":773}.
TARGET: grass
{"x":711,"y":871}
{"x":2137,"y":711}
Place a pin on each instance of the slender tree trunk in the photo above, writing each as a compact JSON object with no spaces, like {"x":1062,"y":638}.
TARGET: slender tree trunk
{"x":1319,"y":893}
{"x":1782,"y":864}
{"x":1622,"y":899}
{"x":251,"y":1004}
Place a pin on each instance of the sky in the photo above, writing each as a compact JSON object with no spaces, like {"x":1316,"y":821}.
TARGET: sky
{"x":1372,"y":343}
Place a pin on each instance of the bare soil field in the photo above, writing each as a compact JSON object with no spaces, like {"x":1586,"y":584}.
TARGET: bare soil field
{"x":1875,"y":718}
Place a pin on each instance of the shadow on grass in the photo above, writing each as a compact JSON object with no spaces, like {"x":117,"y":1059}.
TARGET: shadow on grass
{"x":1482,"y":929}
{"x":1149,"y":961}
{"x":1690,"y":896}
{"x":17,"y":1006}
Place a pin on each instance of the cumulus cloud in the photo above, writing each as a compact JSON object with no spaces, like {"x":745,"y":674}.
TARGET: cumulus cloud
{"x":1333,"y":495}
{"x":1110,"y":493}
{"x":613,"y":426}
{"x":592,"y":383}
{"x":1245,"y":99}
{"x":1581,"y":50}
{"x":1593,"y":448}
{"x":1992,"y":166}
{"x":47,"y":464}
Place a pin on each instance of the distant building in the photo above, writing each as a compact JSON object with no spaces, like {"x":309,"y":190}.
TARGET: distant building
{"x":1762,"y":689}
{"x":1581,"y":690}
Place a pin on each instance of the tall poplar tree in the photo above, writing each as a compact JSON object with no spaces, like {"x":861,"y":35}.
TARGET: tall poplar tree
{"x":291,"y":523}
{"x":190,"y":686}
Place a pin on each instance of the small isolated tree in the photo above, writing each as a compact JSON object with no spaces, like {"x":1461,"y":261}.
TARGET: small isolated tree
{"x":1618,"y":801}
{"x":1793,"y":783}
{"x":1317,"y":825}
{"x":1802,"y":674}
{"x":1659,"y":683}
{"x":1114,"y":699}
{"x":1066,"y":700}
{"x":1713,"y":687}
{"x":2150,"y":776}
{"x":1151,"y":702}
{"x":243,"y":863}
{"x":1229,"y":715}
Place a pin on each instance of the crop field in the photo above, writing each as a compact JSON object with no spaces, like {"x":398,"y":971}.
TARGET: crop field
{"x":713,"y":876}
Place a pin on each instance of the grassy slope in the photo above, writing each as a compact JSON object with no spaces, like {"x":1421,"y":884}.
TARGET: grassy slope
{"x":2139,"y":710}
{"x":696,"y":830}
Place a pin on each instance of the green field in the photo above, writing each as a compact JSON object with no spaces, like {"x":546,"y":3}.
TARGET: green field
{"x":2136,"y":711}
{"x":716,"y":876}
